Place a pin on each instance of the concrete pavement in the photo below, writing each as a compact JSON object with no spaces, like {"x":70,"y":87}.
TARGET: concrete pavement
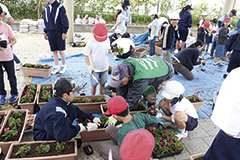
{"x":28,"y":47}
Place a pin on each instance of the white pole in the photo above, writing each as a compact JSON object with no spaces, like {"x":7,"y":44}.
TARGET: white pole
{"x":68,"y":4}
{"x":228,"y":6}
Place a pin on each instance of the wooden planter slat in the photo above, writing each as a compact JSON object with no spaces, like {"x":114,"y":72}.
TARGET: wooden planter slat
{"x":41,"y":104}
{"x":36,"y":72}
{"x":5,"y":145}
{"x":139,"y":53}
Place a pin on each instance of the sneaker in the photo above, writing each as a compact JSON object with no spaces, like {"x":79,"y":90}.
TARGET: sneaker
{"x":217,"y":65}
{"x":3,"y":99}
{"x":13,"y":98}
{"x":180,"y":134}
{"x":225,"y":76}
{"x":17,"y":66}
{"x":175,"y":51}
{"x":167,"y":124}
{"x":116,"y":58}
{"x":211,"y":57}
{"x":63,"y":69}
{"x":55,"y":70}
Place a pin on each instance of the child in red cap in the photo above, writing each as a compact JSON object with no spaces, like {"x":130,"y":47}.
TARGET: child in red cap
{"x":222,"y":39}
{"x":96,"y":57}
{"x":118,"y":107}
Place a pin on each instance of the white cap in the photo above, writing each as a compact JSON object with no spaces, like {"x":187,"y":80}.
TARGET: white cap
{"x":152,"y":12}
{"x":174,"y":15}
{"x":173,"y":89}
{"x":204,"y":14}
{"x":4,"y":8}
{"x":118,"y":8}
{"x":119,"y":31}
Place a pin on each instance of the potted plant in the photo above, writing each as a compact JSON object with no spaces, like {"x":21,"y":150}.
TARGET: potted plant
{"x":110,"y":69}
{"x":139,"y":53}
{"x":166,"y":143}
{"x":13,"y":128}
{"x":196,"y":101}
{"x":45,"y":94}
{"x":90,"y":103}
{"x":28,"y":97}
{"x":36,"y":70}
{"x":44,"y":150}
{"x":152,"y":110}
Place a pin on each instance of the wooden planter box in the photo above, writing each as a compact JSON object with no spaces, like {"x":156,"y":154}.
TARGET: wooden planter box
{"x":197,"y":156}
{"x":29,"y":106}
{"x":139,"y":53}
{"x":198,"y":105}
{"x":36,"y":72}
{"x":95,"y":135}
{"x":57,"y":157}
{"x":91,"y":107}
{"x":41,"y":104}
{"x":104,"y":109}
{"x":3,"y":114}
{"x":6,"y":144}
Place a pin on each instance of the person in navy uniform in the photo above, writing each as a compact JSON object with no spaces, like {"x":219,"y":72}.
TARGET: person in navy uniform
{"x":54,"y":120}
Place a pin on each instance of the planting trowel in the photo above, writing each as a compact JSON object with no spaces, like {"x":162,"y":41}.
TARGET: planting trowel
{"x":94,"y":77}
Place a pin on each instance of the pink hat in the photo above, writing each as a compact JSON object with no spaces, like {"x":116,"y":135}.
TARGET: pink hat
{"x":100,"y":32}
{"x":206,"y":24}
{"x":227,"y":19}
{"x":116,"y":105}
{"x":137,"y":145}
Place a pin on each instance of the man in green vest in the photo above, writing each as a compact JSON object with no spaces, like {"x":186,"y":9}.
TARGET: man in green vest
{"x":139,"y":76}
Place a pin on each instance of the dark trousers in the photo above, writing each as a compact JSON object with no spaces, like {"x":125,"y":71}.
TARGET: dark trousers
{"x":9,"y":67}
{"x":214,"y":44}
{"x":152,"y":46}
{"x":234,"y":61}
{"x":15,"y":58}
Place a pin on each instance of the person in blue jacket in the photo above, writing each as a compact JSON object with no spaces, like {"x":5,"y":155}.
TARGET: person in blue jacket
{"x":184,"y":23}
{"x":56,"y":27}
{"x":184,"y":60}
{"x":113,"y":37}
{"x":54,"y":120}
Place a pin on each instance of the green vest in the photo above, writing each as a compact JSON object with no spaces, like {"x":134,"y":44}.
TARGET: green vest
{"x":148,"y":68}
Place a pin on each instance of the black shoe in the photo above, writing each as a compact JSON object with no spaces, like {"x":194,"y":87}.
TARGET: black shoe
{"x":175,"y":72}
{"x":79,"y":142}
{"x":225,"y":75}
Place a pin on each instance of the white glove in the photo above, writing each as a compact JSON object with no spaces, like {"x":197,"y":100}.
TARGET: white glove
{"x":82,"y":128}
{"x":149,"y":38}
{"x":159,"y":115}
{"x":92,"y":126}
{"x":97,"y":121}
{"x":91,"y":69}
{"x":152,"y":37}
{"x":119,"y":126}
{"x":113,"y":28}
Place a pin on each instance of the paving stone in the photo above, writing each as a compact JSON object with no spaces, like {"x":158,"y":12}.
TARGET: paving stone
{"x":195,"y":146}
{"x":208,"y":140}
{"x":210,"y":128}
{"x":198,"y":132}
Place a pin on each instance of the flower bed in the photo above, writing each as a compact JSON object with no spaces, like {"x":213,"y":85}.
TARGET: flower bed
{"x":45,"y":94}
{"x":28,"y":97}
{"x":196,"y":101}
{"x":43,"y":150}
{"x":89,"y":103}
{"x":36,"y":70}
{"x":13,"y":128}
{"x":166,"y":143}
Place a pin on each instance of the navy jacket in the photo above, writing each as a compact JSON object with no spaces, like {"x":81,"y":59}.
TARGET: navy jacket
{"x":185,"y":20}
{"x":188,"y":57}
{"x":233,"y":43}
{"x":168,"y":36}
{"x":56,"y":19}
{"x":54,"y":120}
{"x":223,"y":35}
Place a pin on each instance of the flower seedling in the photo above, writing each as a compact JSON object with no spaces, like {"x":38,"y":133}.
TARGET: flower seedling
{"x":46,"y":66}
{"x":192,"y":98}
{"x":29,"y":65}
{"x":76,"y":100}
{"x":137,"y":107}
{"x":110,"y":68}
{"x":37,"y":65}
{"x":87,"y":121}
{"x":103,"y":119}
{"x":43,"y":148}
{"x":152,"y":110}
{"x":86,"y":100}
{"x":61,"y":146}
{"x":29,"y":95}
{"x":47,"y":95}
{"x":100,"y":99}
{"x":14,"y":123}
{"x":24,"y":150}
{"x":8,"y":134}
{"x":16,"y":114}
{"x":120,"y":50}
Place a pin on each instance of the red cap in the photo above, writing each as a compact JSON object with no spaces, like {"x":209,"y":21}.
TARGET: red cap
{"x":227,"y":19}
{"x":137,"y":145}
{"x":100,"y":32}
{"x":206,"y":24}
{"x":116,"y":105}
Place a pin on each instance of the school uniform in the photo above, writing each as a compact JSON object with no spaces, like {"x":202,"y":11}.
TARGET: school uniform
{"x":222,"y":39}
{"x":184,"y":23}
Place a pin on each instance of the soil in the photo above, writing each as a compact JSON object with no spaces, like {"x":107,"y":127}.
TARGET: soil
{"x":40,"y":95}
{"x":53,"y":152}
{"x":192,"y":101}
{"x":32,"y":66}
{"x":15,"y":138}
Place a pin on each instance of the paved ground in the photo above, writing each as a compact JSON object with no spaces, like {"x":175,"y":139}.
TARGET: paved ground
{"x":28,"y":47}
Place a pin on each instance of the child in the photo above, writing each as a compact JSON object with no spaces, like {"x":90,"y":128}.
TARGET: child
{"x":154,"y":32}
{"x":118,"y":107}
{"x":96,"y":57}
{"x":6,"y":60}
{"x":178,"y":109}
{"x":117,"y":34}
{"x":56,"y":27}
{"x":204,"y":16}
{"x":127,"y":44}
{"x":209,"y":36}
{"x":202,"y":31}
{"x":169,"y":35}
{"x":120,"y":23}
{"x":222,"y":39}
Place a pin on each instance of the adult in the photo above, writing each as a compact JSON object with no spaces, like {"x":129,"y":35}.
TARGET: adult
{"x":184,"y":60}
{"x":226,"y":144}
{"x":136,"y":77}
{"x":184,"y":24}
{"x":230,"y":14}
{"x":54,"y":120}
{"x":120,"y":23}
{"x":9,"y":20}
{"x":126,"y":11}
